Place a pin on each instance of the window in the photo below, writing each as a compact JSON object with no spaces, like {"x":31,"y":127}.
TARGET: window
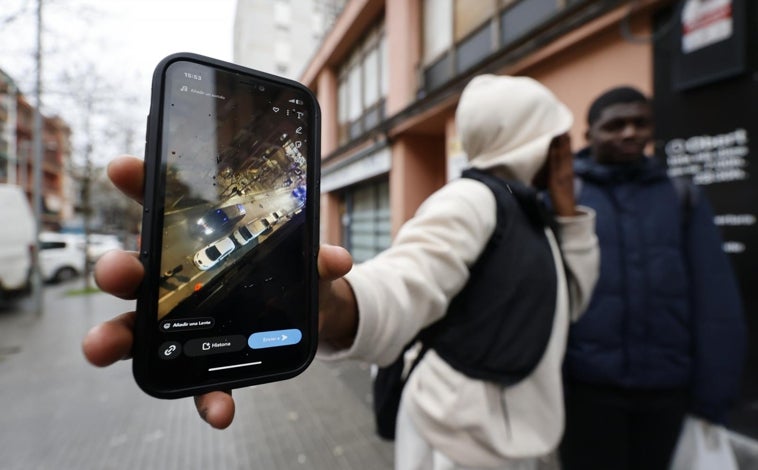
{"x":371,"y":78}
{"x":354,"y":92}
{"x":526,"y":15}
{"x":474,"y":48}
{"x":438,"y":34}
{"x":367,"y":221}
{"x":470,"y":15}
{"x":459,"y":34}
{"x":362,"y":87}
{"x":282,"y":53}
{"x":282,"y":14}
{"x":45,"y":245}
{"x":506,"y":3}
{"x":342,"y":103}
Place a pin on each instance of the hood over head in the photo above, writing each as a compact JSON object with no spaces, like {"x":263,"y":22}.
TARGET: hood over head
{"x":508,"y":122}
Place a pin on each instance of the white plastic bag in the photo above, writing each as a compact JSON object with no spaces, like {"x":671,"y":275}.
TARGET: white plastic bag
{"x":703,"y":446}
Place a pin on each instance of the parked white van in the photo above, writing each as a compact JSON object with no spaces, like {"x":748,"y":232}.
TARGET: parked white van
{"x":16,"y":240}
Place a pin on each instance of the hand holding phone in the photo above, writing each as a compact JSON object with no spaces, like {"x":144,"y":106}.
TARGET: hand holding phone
{"x":230,"y":229}
{"x":120,"y":273}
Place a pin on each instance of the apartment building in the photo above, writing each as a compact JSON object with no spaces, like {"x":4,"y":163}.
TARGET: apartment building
{"x":279,"y":36}
{"x":389,"y":73}
{"x":17,"y":153}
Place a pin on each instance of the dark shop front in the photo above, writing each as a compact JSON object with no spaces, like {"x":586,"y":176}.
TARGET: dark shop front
{"x":706,"y":107}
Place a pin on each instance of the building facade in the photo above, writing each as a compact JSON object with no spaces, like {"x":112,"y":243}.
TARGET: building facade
{"x":389,"y":73}
{"x":17,"y":154}
{"x":279,"y":36}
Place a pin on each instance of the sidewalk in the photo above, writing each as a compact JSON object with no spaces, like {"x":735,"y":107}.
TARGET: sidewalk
{"x":61,"y":413}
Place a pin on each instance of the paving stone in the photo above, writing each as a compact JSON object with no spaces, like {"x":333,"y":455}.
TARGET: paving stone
{"x":61,"y":413}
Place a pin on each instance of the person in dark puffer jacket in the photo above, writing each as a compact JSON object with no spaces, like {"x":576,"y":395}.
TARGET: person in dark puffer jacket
{"x":664,"y":333}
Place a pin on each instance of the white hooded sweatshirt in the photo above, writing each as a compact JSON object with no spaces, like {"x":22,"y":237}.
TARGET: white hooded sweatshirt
{"x":504,"y":122}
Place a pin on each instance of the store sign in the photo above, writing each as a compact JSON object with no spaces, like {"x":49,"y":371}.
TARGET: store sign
{"x":706,"y":22}
{"x":719,"y":159}
{"x":708,"y":159}
{"x":709,"y":42}
{"x":706,"y":130}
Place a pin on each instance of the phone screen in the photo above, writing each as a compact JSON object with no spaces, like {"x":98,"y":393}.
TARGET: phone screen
{"x":230,"y":292}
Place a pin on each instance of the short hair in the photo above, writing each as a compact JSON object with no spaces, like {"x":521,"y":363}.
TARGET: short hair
{"x":618,"y":95}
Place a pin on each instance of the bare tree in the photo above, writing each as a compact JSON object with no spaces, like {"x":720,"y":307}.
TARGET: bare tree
{"x":92,"y":101}
{"x":101,"y":117}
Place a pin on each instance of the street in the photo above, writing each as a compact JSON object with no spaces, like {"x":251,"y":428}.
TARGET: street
{"x":62,"y":413}
{"x":179,"y":247}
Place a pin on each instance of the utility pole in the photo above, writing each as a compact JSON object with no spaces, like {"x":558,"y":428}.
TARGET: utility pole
{"x":87,"y":190}
{"x":10,"y":131}
{"x":37,"y":192}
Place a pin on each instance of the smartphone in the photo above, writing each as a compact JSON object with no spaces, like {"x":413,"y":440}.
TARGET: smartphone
{"x":230,"y":229}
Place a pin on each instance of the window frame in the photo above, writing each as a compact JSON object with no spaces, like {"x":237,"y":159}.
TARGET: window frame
{"x":354,"y":115}
{"x":380,"y":222}
{"x":440,"y":68}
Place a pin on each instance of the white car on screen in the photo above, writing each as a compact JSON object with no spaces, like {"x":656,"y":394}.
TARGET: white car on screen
{"x":271,"y":219}
{"x":250,"y":232}
{"x":212,"y":254}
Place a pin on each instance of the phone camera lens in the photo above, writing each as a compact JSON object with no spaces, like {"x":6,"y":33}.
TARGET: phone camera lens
{"x":261,"y":88}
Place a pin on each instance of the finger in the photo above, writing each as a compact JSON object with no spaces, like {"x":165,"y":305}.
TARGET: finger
{"x":216,"y":408}
{"x":333,"y":262}
{"x":128,"y":174}
{"x":119,"y":273}
{"x":559,"y":155}
{"x":110,"y":341}
{"x":565,"y":146}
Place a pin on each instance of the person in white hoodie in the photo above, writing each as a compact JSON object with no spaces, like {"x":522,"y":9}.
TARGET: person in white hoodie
{"x":510,"y":127}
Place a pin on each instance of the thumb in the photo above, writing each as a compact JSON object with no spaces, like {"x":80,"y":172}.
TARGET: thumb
{"x":333,"y":262}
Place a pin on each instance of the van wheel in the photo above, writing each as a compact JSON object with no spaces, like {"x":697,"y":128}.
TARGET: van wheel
{"x":65,"y":274}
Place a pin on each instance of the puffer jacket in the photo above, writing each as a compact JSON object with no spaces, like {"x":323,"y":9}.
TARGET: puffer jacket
{"x":666,"y":311}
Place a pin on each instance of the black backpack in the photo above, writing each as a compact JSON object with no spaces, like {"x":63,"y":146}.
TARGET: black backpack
{"x":390,"y":380}
{"x":388,"y":388}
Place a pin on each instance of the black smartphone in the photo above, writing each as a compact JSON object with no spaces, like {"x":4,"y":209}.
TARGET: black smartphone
{"x":230,"y":229}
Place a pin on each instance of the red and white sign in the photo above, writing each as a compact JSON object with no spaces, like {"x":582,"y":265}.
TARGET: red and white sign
{"x":706,"y":22}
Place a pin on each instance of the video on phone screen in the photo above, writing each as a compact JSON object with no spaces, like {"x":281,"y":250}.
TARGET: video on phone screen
{"x":235,"y":152}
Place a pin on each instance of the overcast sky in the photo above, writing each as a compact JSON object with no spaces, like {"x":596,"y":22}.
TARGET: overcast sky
{"x":122,"y":40}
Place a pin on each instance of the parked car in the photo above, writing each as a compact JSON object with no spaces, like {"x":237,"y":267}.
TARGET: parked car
{"x":16,"y":241}
{"x":61,"y":256}
{"x":100,"y":243}
{"x":212,"y":254}
{"x":219,"y":221}
{"x":250,"y":232}
{"x":271,"y":219}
